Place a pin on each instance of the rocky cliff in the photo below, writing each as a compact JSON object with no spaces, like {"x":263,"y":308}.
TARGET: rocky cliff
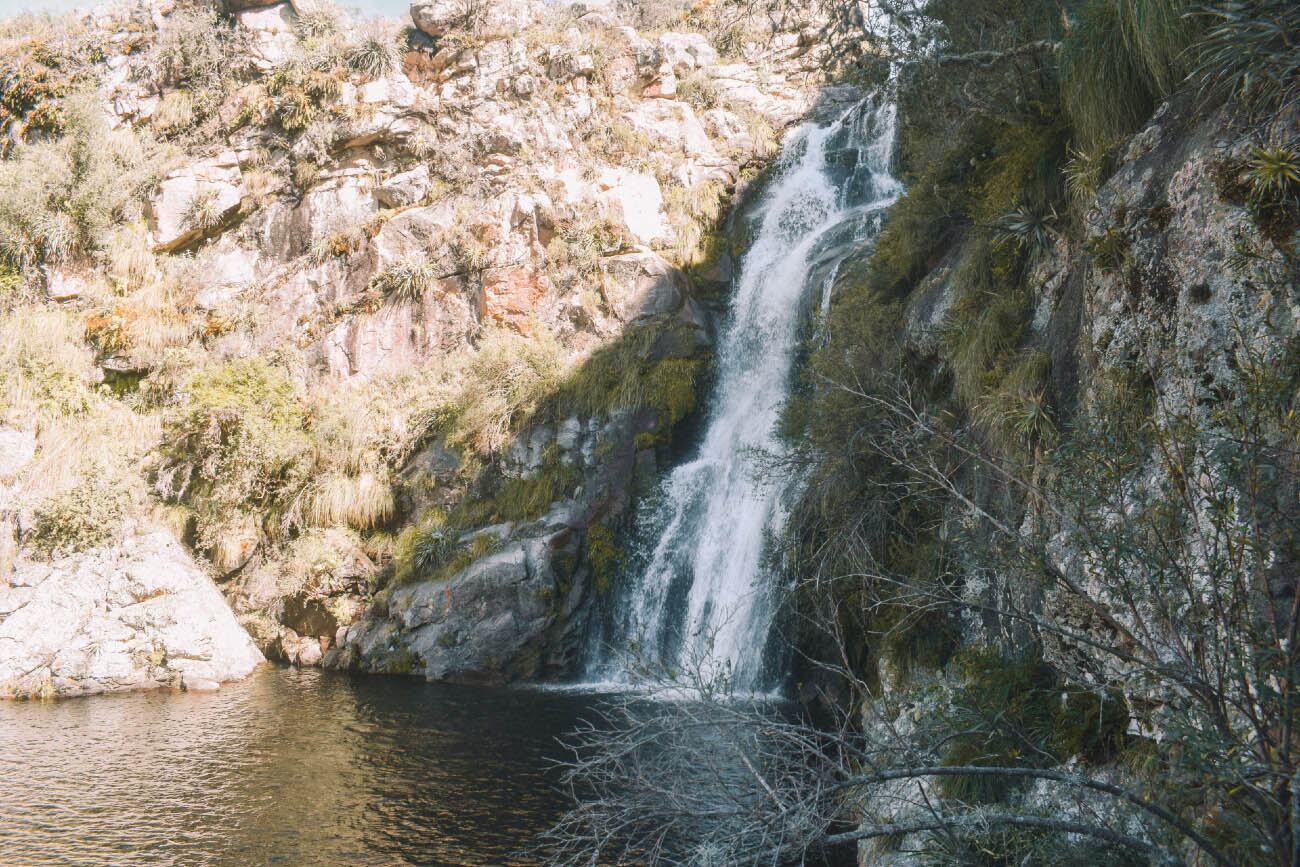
{"x":386,"y":323}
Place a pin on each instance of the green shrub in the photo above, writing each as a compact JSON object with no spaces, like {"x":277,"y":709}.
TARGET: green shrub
{"x":299,"y":89}
{"x":433,"y":551}
{"x":1004,"y":712}
{"x":1248,"y":53}
{"x":630,"y":374}
{"x":1016,"y":412}
{"x":698,"y":89}
{"x":240,"y":441}
{"x":84,"y":517}
{"x":60,"y":199}
{"x":500,"y":387}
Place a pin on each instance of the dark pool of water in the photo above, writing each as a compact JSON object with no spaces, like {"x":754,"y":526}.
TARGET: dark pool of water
{"x":287,"y":768}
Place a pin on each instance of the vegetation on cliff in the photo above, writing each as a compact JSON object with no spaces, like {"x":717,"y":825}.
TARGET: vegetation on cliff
{"x":1050,"y":447}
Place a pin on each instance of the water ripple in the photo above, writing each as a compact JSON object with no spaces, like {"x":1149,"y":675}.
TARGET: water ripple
{"x":287,"y":768}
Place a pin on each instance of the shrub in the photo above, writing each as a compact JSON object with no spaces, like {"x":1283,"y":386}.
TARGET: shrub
{"x":693,"y":212}
{"x":631,"y":374}
{"x":1004,"y":712}
{"x":81,"y":518}
{"x":60,"y":199}
{"x":502,"y":385}
{"x":604,"y":555}
{"x":698,"y":89}
{"x":298,"y":89}
{"x":238,"y":442}
{"x":203,"y":56}
{"x":1248,"y":52}
{"x":406,"y":281}
{"x":1118,"y":60}
{"x":45,"y":371}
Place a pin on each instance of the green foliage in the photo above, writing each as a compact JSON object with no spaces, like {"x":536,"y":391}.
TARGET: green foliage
{"x":203,"y":212}
{"x":693,"y":212}
{"x":60,"y":199}
{"x":1016,"y":412}
{"x":239,"y":442}
{"x":1118,"y":60}
{"x":1083,"y":174}
{"x":985,"y":325}
{"x":1029,"y":228}
{"x":698,"y":89}
{"x":83,"y":517}
{"x":643,"y":368}
{"x":1274,"y":172}
{"x":1110,"y":251}
{"x":501,"y":387}
{"x":1017,"y":712}
{"x":434,"y":551}
{"x":582,"y":242}
{"x":1248,"y":53}
{"x":519,"y":498}
{"x":604,"y":556}
{"x":201,"y":55}
{"x":299,"y":89}
{"x":1005,"y":710}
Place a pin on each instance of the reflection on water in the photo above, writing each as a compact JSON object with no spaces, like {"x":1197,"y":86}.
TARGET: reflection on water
{"x":289,"y":767}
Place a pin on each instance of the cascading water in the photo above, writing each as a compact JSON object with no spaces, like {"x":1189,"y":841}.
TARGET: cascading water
{"x":704,"y":598}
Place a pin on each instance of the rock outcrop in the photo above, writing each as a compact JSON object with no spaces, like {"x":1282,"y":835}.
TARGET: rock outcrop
{"x":137,"y":614}
{"x":340,"y":209}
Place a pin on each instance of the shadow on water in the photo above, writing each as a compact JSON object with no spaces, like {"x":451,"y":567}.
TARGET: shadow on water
{"x":290,"y":767}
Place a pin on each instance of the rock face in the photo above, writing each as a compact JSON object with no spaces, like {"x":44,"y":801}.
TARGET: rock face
{"x":367,"y":220}
{"x":506,"y":616}
{"x":195,"y":200}
{"x":136,"y":615}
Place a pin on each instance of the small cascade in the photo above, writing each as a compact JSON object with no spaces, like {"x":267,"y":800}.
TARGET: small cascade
{"x":703,"y":597}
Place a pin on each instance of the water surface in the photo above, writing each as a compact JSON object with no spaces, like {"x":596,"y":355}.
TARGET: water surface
{"x":289,"y":767}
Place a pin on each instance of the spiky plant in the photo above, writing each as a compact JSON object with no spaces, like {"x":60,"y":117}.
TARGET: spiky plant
{"x":1029,"y":227}
{"x":203,"y":212}
{"x":376,"y":55}
{"x":1248,"y":52}
{"x":407,"y":280}
{"x":432,"y":548}
{"x":1083,"y":174}
{"x":1274,"y":172}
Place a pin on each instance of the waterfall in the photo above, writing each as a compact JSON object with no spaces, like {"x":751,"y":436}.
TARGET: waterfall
{"x":703,"y":596}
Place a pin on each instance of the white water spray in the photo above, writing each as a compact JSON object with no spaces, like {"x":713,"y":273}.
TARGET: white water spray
{"x":706,"y":599}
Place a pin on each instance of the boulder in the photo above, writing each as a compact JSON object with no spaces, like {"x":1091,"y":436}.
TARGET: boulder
{"x":404,"y":189}
{"x":440,"y":17}
{"x":674,"y":124}
{"x":135,"y":614}
{"x":635,"y":197}
{"x":272,"y":30}
{"x":684,"y":52}
{"x":644,"y":285}
{"x":496,"y":620}
{"x":214,"y":183}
